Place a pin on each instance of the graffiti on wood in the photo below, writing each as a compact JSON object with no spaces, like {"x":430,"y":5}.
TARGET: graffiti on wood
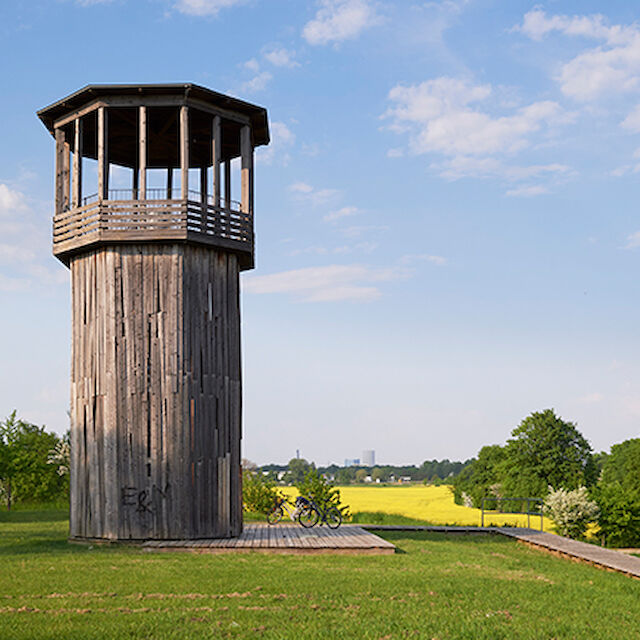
{"x":145,"y":501}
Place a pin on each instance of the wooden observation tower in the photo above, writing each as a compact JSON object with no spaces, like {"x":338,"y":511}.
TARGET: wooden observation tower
{"x":155,"y":357}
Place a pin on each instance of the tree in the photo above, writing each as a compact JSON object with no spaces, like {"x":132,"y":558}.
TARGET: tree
{"x":618,"y":495}
{"x":361,"y":475}
{"x":379,"y":475}
{"x":546,"y":451}
{"x":622,"y":465}
{"x":619,"y":519}
{"x":298,"y":468}
{"x":345,"y":475}
{"x":25,"y":473}
{"x":479,"y":478}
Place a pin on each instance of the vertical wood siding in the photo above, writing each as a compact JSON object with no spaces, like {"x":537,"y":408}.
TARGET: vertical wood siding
{"x":155,"y":393}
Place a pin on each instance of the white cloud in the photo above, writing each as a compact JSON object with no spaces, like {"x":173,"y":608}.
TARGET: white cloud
{"x":204,"y":7}
{"x":306,"y":193}
{"x":611,"y":67}
{"x":257,"y":83}
{"x":281,"y":57}
{"x":331,"y":283}
{"x":633,"y":240}
{"x":452,"y":118}
{"x":359,"y":247}
{"x":438,"y":116}
{"x":11,"y":200}
{"x":489,"y":167}
{"x":356,"y":231}
{"x":632,"y":122}
{"x":278,"y":57}
{"x":282,"y":139}
{"x":25,"y":250}
{"x":412,"y":258}
{"x":528,"y":191}
{"x":591,"y":398}
{"x":341,"y":213}
{"x":339,"y":20}
{"x":13,"y":284}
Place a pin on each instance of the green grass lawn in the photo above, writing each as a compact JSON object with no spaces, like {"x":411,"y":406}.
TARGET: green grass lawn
{"x":438,"y":586}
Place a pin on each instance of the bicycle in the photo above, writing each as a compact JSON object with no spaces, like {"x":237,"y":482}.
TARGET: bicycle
{"x":312,"y":513}
{"x":282,"y":505}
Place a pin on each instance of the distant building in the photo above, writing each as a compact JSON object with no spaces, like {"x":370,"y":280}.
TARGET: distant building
{"x":352,"y":463}
{"x":368,"y":458}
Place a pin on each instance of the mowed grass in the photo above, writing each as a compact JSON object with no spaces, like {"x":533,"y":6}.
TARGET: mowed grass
{"x":437,"y":586}
{"x":422,"y":503}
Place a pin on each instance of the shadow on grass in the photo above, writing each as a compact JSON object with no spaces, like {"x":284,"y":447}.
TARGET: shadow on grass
{"x":397,"y":537}
{"x":47,"y":515}
{"x":378,"y":517}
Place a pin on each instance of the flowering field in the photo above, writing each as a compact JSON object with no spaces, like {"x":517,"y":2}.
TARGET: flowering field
{"x":429,"y":503}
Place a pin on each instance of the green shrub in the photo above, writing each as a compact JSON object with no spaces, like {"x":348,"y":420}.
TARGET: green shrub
{"x":258,"y":492}
{"x":322,"y":491}
{"x":619,"y":518}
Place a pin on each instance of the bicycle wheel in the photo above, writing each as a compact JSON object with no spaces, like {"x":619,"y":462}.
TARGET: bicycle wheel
{"x":333,"y":518}
{"x":308,"y":517}
{"x":275,"y":515}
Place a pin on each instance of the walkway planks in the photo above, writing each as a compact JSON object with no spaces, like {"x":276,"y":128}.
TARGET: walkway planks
{"x":605,"y":558}
{"x":285,"y":538}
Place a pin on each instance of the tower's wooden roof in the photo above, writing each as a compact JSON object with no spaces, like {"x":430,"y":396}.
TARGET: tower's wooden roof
{"x":86,"y":95}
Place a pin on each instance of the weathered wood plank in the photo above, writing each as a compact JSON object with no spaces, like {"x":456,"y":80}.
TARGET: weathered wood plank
{"x":76,"y":189}
{"x":103,"y":154}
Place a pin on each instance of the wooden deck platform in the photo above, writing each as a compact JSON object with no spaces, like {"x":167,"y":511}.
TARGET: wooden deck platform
{"x":582,"y":551}
{"x":285,"y":538}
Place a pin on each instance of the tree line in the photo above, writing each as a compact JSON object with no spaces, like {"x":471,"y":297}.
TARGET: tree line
{"x":435,"y":471}
{"x":34,"y":464}
{"x":547,"y":457}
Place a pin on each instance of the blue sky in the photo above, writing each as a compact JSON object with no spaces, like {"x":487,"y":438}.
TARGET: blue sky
{"x":447,"y":226}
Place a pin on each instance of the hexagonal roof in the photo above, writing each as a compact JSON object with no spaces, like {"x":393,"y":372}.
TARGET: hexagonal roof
{"x":256,"y":114}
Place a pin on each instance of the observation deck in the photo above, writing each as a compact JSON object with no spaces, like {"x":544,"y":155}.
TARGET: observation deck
{"x":136,"y":137}
{"x":124,"y":218}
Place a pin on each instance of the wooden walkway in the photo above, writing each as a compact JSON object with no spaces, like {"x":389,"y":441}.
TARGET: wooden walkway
{"x":605,"y":558}
{"x":285,"y":538}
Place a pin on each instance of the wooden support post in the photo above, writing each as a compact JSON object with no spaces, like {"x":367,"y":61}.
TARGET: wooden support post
{"x":142,"y":153}
{"x":216,"y":154}
{"x":204,"y":197}
{"x":103,"y":155}
{"x":169,"y":183}
{"x":76,"y":179}
{"x":246,"y":150}
{"x":66,"y":177}
{"x":59,"y":195}
{"x":76,"y":190}
{"x":135,"y":180}
{"x":184,"y":152}
{"x":227,"y":184}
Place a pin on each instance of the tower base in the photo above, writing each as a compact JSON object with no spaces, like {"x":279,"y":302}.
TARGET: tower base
{"x":155,"y":394}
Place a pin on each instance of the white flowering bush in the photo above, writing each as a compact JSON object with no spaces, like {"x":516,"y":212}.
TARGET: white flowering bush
{"x":60,"y":455}
{"x":571,"y":511}
{"x":467,"y":500}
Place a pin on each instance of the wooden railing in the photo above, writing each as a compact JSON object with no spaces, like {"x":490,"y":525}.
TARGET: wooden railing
{"x":123,"y":221}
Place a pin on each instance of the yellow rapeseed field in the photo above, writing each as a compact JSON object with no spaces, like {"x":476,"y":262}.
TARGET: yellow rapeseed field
{"x":430,"y":503}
